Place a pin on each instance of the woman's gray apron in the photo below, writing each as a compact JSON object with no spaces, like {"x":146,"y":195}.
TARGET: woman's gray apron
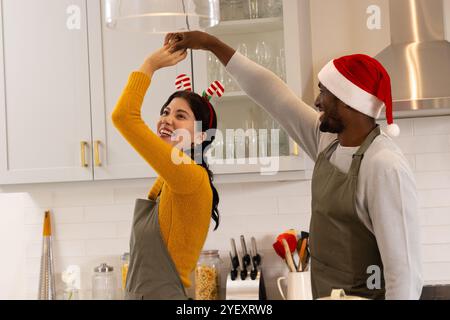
{"x":152,"y":275}
{"x":342,"y":248}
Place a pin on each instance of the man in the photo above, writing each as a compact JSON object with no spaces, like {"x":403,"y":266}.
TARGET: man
{"x":364,"y":225}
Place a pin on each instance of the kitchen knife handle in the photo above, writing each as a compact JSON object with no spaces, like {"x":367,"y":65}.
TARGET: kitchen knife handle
{"x":255,"y":250}
{"x":255,"y":256}
{"x":83,"y":145}
{"x":244,"y":246}
{"x":245,"y":255}
{"x":233,"y":247}
{"x":98,"y":162}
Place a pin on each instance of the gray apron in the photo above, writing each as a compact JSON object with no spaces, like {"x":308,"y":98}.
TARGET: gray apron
{"x":152,"y":275}
{"x":342,"y":248}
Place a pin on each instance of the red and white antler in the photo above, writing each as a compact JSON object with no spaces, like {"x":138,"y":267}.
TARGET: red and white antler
{"x":183,"y":82}
{"x":215,"y":88}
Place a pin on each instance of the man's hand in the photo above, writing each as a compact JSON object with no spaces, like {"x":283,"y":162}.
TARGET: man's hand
{"x":162,"y":58}
{"x":198,"y":40}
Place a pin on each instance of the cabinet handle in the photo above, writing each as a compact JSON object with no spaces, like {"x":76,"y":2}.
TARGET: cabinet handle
{"x":98,"y":162}
{"x":83,"y":153}
{"x":296,"y":152}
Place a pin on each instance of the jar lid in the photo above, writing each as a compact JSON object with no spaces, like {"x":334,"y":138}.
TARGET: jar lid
{"x":210,"y":253}
{"x":125,"y":256}
{"x":103,"y":268}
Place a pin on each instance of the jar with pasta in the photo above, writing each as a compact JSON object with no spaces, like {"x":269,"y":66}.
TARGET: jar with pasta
{"x":207,"y":276}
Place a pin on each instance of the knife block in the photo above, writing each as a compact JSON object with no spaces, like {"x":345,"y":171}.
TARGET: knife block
{"x":247,"y":289}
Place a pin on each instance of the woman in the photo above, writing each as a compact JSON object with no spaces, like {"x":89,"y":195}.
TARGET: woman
{"x":170,"y":228}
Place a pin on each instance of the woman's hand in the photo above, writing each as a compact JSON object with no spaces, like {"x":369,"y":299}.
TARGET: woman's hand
{"x":162,"y":58}
{"x":198,"y":40}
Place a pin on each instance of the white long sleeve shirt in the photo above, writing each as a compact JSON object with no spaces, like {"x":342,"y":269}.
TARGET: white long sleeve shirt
{"x":386,"y":199}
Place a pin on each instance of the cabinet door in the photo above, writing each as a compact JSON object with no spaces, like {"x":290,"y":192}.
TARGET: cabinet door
{"x":44,"y":91}
{"x":114,"y":54}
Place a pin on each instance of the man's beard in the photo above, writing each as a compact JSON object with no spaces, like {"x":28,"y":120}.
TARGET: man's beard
{"x":331,"y":125}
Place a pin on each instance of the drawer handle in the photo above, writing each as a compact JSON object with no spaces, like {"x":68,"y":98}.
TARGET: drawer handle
{"x":83,"y":154}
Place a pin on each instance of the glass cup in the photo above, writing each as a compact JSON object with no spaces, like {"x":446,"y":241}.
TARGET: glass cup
{"x":251,"y":142}
{"x":212,"y":68}
{"x":263,"y":54}
{"x":280,"y":69}
{"x":236,"y":9}
{"x":253,"y":7}
{"x":272,"y":8}
{"x":243,"y":49}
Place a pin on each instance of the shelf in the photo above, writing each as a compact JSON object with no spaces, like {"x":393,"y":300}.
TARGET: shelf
{"x":233,"y":96}
{"x":247,"y":26}
{"x":258,"y":165}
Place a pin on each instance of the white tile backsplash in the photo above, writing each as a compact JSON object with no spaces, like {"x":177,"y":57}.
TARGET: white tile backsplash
{"x":92,"y":222}
{"x":436,"y":253}
{"x":108,"y":213}
{"x":435,"y":234}
{"x":433,"y":162}
{"x":433,"y":180}
{"x":83,"y":197}
{"x":108,"y":247}
{"x":73,"y":248}
{"x":435,"y":216}
{"x":431,"y":126}
{"x":424,"y":144}
{"x":232,"y":206}
{"x":294,"y":204}
{"x":436,"y":272}
{"x":35,"y":216}
{"x":434,"y":198}
{"x":128,"y":195}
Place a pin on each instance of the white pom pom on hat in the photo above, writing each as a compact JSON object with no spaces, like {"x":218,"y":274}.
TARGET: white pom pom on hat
{"x":363,"y":84}
{"x":393,"y":130}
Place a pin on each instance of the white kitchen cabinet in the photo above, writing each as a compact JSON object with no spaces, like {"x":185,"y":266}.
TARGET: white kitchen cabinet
{"x":44,"y":91}
{"x":114,"y":54}
{"x":62,"y":77}
{"x":61,"y":86}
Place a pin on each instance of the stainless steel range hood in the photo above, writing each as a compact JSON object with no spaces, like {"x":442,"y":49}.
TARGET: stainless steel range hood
{"x":418,"y":59}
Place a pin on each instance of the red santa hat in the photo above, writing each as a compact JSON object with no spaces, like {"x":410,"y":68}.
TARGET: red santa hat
{"x":362,"y":83}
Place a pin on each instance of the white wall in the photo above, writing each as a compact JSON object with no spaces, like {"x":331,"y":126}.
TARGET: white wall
{"x":339,"y":28}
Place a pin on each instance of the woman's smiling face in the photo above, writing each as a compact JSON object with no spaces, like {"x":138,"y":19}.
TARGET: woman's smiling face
{"x":176,"y":123}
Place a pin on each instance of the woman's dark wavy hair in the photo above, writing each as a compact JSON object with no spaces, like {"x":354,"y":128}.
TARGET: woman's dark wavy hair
{"x":202,"y":112}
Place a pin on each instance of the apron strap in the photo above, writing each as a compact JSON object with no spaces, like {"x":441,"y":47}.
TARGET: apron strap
{"x":330,"y":149}
{"x":359,"y":155}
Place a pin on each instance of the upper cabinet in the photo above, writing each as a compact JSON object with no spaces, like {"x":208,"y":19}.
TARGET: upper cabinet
{"x":45,"y":127}
{"x":62,"y":72}
{"x":114,"y":55}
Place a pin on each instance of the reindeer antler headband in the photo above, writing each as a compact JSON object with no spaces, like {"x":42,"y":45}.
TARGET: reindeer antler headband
{"x":183,"y":82}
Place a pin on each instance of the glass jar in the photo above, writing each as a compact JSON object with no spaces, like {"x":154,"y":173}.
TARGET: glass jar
{"x":125,"y":259}
{"x":104,"y":283}
{"x":207,"y":276}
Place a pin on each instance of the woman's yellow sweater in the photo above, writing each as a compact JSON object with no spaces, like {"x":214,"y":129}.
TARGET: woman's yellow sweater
{"x":186,"y":195}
